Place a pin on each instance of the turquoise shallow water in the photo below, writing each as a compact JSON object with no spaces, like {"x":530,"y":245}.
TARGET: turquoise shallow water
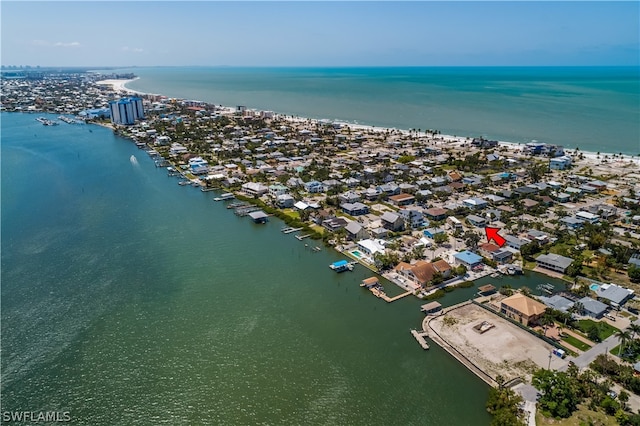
{"x":593,"y":108}
{"x":127,"y":299}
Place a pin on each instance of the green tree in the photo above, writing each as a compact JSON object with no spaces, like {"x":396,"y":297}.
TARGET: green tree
{"x":624,"y":337}
{"x":559,"y":396}
{"x":503,"y":404}
{"x":634,"y":273}
{"x":441,"y":238}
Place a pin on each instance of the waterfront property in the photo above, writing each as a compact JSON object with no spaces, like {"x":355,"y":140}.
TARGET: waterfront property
{"x":521,"y":308}
{"x":554,"y":262}
{"x":469,"y":259}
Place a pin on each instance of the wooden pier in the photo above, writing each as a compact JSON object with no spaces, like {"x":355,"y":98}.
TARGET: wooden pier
{"x":290,"y":230}
{"x":420,"y":337}
{"x":302,"y":237}
{"x":382,"y":295}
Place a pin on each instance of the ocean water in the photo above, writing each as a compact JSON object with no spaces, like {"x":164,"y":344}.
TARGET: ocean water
{"x":595,"y":109}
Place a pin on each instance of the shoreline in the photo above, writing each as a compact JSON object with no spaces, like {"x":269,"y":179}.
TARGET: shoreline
{"x":590,"y":157}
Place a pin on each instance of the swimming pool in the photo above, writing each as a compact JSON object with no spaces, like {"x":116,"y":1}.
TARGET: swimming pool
{"x":594,"y":287}
{"x":357,"y":254}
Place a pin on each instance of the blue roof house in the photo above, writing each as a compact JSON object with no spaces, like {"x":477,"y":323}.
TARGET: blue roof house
{"x":468,"y":259}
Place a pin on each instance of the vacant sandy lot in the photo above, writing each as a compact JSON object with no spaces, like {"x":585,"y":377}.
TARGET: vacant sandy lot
{"x":504,"y":349}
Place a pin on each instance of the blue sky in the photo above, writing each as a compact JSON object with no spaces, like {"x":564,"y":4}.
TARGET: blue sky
{"x":320,"y":33}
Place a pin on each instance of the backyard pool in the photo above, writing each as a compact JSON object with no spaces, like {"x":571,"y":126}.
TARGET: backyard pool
{"x":357,"y":254}
{"x":594,"y":287}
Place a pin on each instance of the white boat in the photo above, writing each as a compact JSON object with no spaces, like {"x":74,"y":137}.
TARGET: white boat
{"x":225,"y":196}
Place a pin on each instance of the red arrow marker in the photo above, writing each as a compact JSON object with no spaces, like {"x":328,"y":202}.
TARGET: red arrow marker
{"x":492,"y":234}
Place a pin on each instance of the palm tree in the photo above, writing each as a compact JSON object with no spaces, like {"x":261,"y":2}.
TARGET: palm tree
{"x":624,"y":337}
{"x":635,"y":330}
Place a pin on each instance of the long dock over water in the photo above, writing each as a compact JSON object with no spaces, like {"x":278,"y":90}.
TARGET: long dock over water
{"x":382,"y":295}
{"x":420,"y":337}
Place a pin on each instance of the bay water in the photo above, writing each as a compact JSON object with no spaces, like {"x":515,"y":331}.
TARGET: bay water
{"x":128,"y":299}
{"x":595,"y":109}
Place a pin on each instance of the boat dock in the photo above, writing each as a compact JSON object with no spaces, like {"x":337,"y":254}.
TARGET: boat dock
{"x":420,"y":337}
{"x":290,"y":230}
{"x":302,"y":237}
{"x":378,"y":292}
{"x":245,"y":210}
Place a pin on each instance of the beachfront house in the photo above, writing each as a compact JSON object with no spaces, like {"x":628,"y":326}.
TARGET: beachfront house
{"x":277,"y":189}
{"x":554,"y":262}
{"x":523,"y":309}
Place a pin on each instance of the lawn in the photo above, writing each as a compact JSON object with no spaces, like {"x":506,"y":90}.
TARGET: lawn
{"x":605,"y":329}
{"x":583,"y":416}
{"x":576,"y":343}
{"x":291,"y":213}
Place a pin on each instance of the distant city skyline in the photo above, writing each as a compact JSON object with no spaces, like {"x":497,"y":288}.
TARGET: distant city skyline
{"x":455,"y":33}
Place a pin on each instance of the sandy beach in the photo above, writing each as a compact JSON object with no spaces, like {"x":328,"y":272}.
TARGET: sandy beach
{"x":119,"y":86}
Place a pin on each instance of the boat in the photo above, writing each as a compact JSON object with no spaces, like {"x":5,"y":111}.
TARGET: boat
{"x":316,"y":248}
{"x":341,"y":266}
{"x":183,"y":182}
{"x":225,"y":196}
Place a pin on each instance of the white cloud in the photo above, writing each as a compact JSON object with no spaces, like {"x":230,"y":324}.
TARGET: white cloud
{"x":132,"y":49}
{"x":72,"y":44}
{"x":56,"y":44}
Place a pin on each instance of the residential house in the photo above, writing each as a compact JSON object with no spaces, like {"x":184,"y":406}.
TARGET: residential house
{"x":285,"y":201}
{"x":355,"y":209}
{"x":402,"y":199}
{"x":560,"y":163}
{"x":554,"y":262}
{"x":515,"y":242}
{"x":371,"y":247}
{"x":432,"y":232}
{"x":392,"y":221}
{"x":436,"y":213}
{"x":314,"y":187}
{"x":422,"y":272}
{"x":349,"y":197}
{"x":592,"y":308}
{"x":571,"y":222}
{"x":355,"y":231}
{"x":523,"y":309}
{"x":413,"y":218}
{"x":476,"y":220}
{"x":468,"y":259}
{"x":557,"y":302}
{"x":277,"y":189}
{"x":335,"y":223}
{"x":615,"y":294}
{"x":255,"y":188}
{"x":198,"y":166}
{"x":475,"y":203}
